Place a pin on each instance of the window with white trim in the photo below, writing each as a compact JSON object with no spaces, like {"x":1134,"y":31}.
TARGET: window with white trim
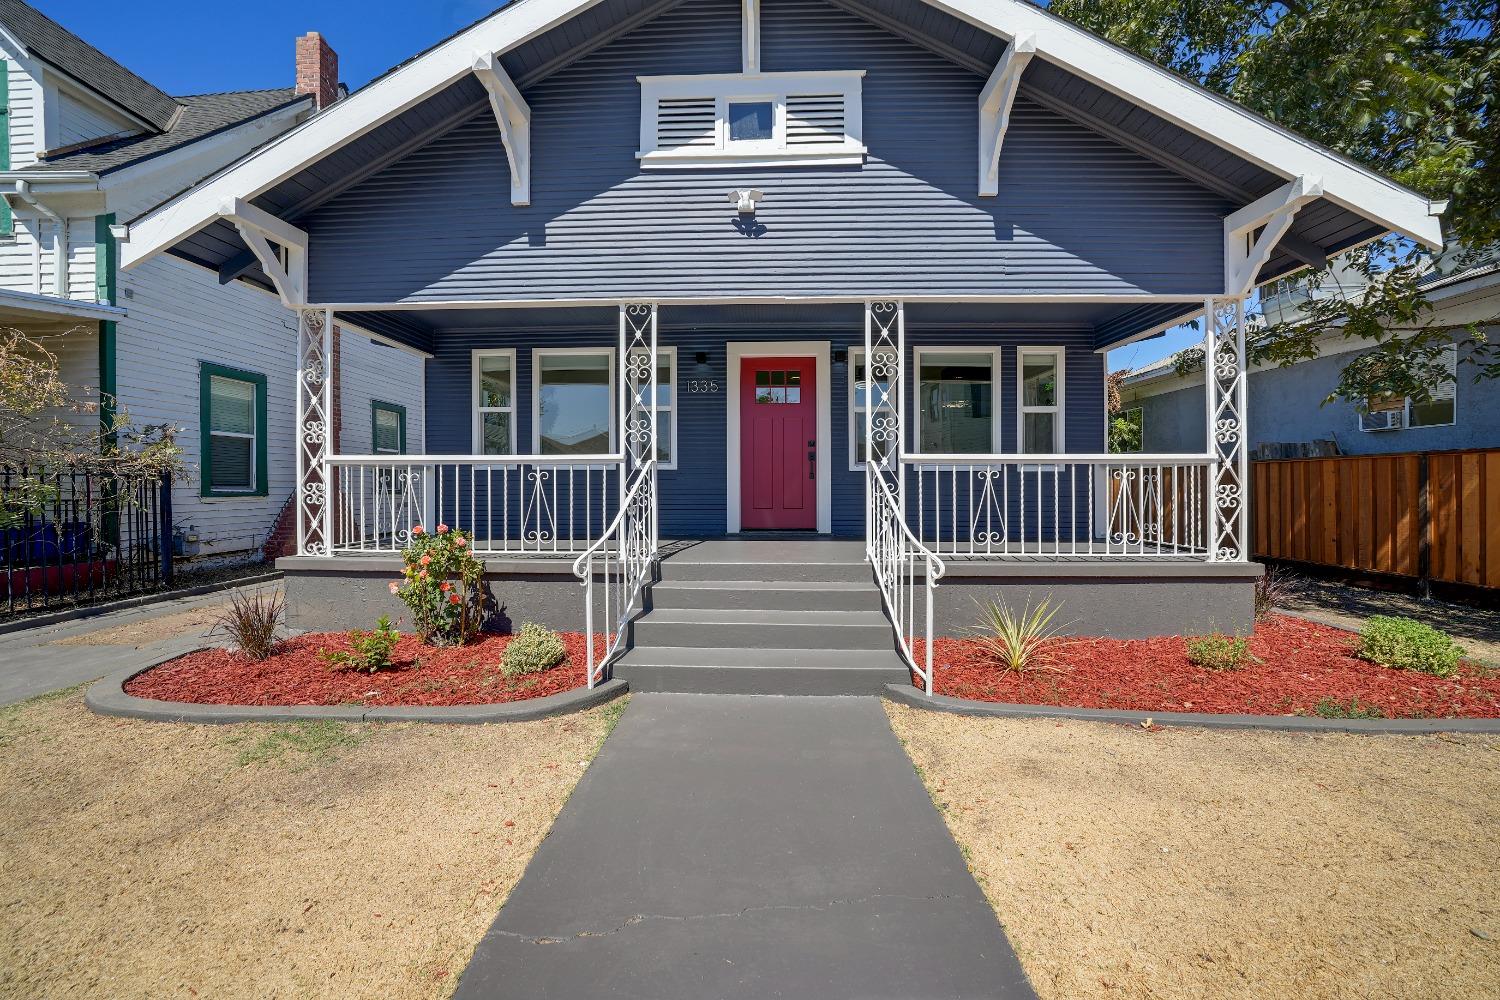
{"x":494,"y":394}
{"x":1391,"y":413}
{"x":955,"y":400}
{"x":573,"y":411}
{"x":1039,"y":400}
{"x":743,"y":119}
{"x":666,"y":404}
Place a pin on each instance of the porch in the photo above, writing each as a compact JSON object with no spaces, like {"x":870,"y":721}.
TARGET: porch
{"x":969,"y":446}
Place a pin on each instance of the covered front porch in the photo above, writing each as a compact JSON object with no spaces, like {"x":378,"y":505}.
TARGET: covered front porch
{"x":957,"y":440}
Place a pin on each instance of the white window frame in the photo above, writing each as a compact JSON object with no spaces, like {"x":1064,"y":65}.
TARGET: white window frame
{"x":856,"y":414}
{"x":670,"y":354}
{"x":1406,"y":424}
{"x":1058,"y":409}
{"x":916,"y":397}
{"x":476,"y":441}
{"x":537,"y":354}
{"x":750,"y":88}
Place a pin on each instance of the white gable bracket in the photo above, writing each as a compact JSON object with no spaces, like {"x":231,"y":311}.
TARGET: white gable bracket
{"x":995,"y":102}
{"x":1245,"y":253}
{"x":259,"y":229}
{"x":513,"y":116}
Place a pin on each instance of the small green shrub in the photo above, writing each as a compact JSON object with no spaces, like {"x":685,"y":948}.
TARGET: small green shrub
{"x":534,"y":649}
{"x":1018,"y":641}
{"x":370,"y":651}
{"x":1409,"y":645}
{"x":1332,"y":708}
{"x":1218,"y":651}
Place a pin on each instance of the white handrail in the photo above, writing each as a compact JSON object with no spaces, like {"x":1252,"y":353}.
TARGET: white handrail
{"x":891,"y":554}
{"x":413,"y":459}
{"x":1066,"y":458}
{"x":634,"y":529}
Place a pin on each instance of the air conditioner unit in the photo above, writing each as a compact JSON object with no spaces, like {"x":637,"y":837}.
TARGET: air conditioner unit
{"x":1383,"y":420}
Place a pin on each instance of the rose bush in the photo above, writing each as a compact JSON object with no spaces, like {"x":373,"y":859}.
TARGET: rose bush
{"x":441,"y":586}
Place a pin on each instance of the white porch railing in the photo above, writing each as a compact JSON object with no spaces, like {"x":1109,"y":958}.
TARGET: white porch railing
{"x":895,"y":554}
{"x":624,"y":555}
{"x":511,"y":505}
{"x":1063,"y":506}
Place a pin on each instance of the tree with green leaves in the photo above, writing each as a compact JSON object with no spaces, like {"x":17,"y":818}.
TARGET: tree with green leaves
{"x":1405,"y":87}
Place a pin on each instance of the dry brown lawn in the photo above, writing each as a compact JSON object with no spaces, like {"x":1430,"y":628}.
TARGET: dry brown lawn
{"x":1188,"y":863}
{"x":156,"y":860}
{"x":197,"y":621}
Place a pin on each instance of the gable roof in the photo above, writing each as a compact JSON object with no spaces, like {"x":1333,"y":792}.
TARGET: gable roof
{"x":1195,"y":112}
{"x":203,"y":115}
{"x":49,"y":41}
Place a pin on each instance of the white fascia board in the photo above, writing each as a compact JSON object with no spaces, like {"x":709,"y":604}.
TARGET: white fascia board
{"x":342,"y":123}
{"x":32,"y":304}
{"x":1205,"y":114}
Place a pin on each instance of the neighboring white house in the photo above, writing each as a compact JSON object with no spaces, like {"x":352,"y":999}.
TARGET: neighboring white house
{"x":1287,"y":402}
{"x":84,"y":142}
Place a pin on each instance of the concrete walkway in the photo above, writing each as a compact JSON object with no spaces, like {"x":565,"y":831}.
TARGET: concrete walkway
{"x":34,"y":661}
{"x":735,"y":846}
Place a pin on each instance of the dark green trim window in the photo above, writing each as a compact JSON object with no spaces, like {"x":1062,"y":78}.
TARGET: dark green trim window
{"x":232,"y":428}
{"x":387,"y":428}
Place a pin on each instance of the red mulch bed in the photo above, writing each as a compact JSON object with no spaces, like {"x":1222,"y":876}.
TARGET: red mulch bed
{"x":420,"y":675}
{"x":1300,"y":664}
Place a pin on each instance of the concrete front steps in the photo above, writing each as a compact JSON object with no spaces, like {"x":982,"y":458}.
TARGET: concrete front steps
{"x":751,"y":617}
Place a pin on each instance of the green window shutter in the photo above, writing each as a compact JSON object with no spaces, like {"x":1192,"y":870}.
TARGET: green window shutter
{"x":232,"y":431}
{"x":7,"y":221}
{"x":387,"y":428}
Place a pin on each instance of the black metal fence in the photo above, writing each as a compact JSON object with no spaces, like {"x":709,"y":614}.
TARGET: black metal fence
{"x":73,"y":536}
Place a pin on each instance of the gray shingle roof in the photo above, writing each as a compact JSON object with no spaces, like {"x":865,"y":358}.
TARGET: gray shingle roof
{"x":51,"y":42}
{"x":202,"y":116}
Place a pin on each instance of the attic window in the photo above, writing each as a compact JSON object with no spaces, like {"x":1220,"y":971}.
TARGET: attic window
{"x":751,"y":119}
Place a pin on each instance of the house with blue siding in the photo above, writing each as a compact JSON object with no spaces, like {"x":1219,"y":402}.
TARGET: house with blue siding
{"x":779,"y":324}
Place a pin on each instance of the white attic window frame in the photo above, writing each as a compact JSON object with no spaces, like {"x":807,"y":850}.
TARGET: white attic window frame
{"x":735,"y":88}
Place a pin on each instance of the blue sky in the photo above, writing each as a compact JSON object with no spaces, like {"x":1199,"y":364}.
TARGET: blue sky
{"x":198,"y":48}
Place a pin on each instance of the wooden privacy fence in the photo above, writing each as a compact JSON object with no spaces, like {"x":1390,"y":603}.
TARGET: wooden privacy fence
{"x":1426,"y":515}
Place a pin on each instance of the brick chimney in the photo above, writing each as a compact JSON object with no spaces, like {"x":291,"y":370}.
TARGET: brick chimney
{"x":317,"y":69}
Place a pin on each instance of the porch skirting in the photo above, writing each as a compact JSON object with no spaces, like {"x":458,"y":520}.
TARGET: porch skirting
{"x":346,"y":592}
{"x":1117,"y":600}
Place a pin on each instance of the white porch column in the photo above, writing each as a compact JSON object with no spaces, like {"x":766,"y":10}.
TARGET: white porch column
{"x":1224,"y":381}
{"x":314,"y":497}
{"x":638,"y":373}
{"x":885,"y":359}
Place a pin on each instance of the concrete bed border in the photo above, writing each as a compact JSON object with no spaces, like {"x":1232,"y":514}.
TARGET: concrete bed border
{"x":107,"y":697}
{"x":906,"y":695}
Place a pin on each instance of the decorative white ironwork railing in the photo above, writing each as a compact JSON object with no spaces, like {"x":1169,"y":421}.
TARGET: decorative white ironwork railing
{"x":511,"y":505}
{"x":1054,"y":506}
{"x":622,"y":560}
{"x":895,"y":554}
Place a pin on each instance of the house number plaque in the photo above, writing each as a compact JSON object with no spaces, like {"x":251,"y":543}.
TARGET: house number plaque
{"x":702,"y":385}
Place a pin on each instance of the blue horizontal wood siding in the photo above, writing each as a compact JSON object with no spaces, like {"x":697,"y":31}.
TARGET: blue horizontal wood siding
{"x":692,"y":498}
{"x":1077,"y":213}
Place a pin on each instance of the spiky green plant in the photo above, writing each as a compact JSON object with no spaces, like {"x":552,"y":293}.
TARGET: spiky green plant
{"x":1018,"y":641}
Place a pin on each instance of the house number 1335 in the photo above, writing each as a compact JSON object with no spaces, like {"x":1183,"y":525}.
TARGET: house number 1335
{"x":702,"y":385}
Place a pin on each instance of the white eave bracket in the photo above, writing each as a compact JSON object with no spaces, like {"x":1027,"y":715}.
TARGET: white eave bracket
{"x":995,"y":102}
{"x":513,"y":116}
{"x":287,"y":268}
{"x":1245,"y":252}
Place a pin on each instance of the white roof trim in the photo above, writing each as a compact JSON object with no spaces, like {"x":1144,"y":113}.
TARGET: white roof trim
{"x":1138,"y":80}
{"x":33,"y":304}
{"x":1205,"y":114}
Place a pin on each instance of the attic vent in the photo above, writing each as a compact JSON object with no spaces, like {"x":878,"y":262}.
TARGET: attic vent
{"x":687,"y":123}
{"x":814,"y":119}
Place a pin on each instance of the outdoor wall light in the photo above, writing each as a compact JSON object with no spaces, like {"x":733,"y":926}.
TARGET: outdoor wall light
{"x":701,"y":358}
{"x":841,"y":357}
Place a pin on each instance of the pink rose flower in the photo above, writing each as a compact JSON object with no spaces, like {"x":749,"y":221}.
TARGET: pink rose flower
{"x":444,"y":586}
{"x":425,"y":560}
{"x":460,"y":541}
{"x":442,"y":529}
{"x":422,"y":575}
{"x":417,"y":530}
{"x":454,"y":598}
{"x":395,"y":586}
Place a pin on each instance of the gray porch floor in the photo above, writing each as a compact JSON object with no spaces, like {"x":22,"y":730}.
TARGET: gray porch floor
{"x":747,"y":847}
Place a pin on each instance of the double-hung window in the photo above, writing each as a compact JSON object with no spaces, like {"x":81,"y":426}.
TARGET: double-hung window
{"x":232,"y":421}
{"x":666,"y":404}
{"x":573,"y":401}
{"x":1039,"y":399}
{"x":387,"y":428}
{"x":955,"y":401}
{"x":494,"y":394}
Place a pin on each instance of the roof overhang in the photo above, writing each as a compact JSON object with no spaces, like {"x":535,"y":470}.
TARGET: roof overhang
{"x":1175,"y":99}
{"x":31,"y":306}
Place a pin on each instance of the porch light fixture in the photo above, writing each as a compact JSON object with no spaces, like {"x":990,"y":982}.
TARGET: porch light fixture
{"x":841,"y":357}
{"x":745,"y":201}
{"x":701,"y":359}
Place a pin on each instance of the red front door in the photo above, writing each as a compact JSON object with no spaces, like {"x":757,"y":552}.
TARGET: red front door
{"x":778,"y":444}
